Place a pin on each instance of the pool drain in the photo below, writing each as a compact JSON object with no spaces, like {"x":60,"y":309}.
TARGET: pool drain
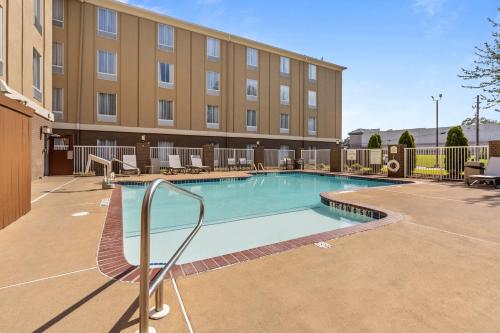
{"x":323,"y":245}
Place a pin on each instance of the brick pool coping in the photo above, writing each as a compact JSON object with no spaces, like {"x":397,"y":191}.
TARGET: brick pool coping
{"x":112,"y":263}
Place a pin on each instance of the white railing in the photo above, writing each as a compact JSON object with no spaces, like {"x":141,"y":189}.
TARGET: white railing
{"x":184,"y":153}
{"x":276,"y":158}
{"x":316,"y":159}
{"x":442,"y":162}
{"x":221,"y":155}
{"x":364,"y":161}
{"x":81,"y":154}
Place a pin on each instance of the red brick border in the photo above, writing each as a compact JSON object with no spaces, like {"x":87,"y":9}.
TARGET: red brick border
{"x":112,"y":263}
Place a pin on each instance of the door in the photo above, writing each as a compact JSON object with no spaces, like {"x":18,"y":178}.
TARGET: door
{"x":61,"y":155}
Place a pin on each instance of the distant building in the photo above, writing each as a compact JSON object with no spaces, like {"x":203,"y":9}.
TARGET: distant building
{"x":424,"y":137}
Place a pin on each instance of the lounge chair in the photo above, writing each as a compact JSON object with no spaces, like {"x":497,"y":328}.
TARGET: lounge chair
{"x":197,"y":165}
{"x":286,"y":163}
{"x":174,"y":165}
{"x":129,"y":165}
{"x":244,"y":163}
{"x":491,"y":174}
{"x":231,"y":163}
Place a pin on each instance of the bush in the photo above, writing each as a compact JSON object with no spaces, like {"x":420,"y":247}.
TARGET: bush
{"x":375,"y":141}
{"x":456,"y":158}
{"x":407,"y":139}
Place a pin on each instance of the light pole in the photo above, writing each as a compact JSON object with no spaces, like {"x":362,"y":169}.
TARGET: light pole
{"x":437,"y":99}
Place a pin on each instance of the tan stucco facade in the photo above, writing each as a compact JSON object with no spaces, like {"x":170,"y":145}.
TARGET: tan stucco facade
{"x":137,"y":90}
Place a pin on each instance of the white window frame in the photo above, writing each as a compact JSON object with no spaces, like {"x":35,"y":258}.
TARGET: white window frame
{"x":169,"y":29}
{"x":252,"y":97}
{"x":312,"y":73}
{"x":284,"y":87}
{"x":1,"y":40}
{"x":58,"y":68}
{"x":166,"y":84}
{"x":211,"y":91}
{"x":252,"y":58}
{"x":310,"y":99}
{"x":38,"y":15}
{"x":212,"y":125}
{"x":58,"y":110}
{"x":250,"y":127}
{"x":37,"y":76}
{"x":109,"y":118}
{"x":161,"y":121}
{"x":55,"y":21}
{"x":216,"y":43}
{"x":312,"y":130}
{"x":284,"y":130}
{"x":107,"y":75}
{"x":106,"y":33}
{"x":284,"y":66}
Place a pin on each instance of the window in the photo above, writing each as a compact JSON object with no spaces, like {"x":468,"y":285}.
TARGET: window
{"x":106,"y":23}
{"x":106,"y":107}
{"x":284,"y":152}
{"x":252,"y":58}
{"x":165,"y":75}
{"x":57,"y":103}
{"x":251,"y":90}
{"x":251,"y":120}
{"x":284,"y":66}
{"x":57,"y":58}
{"x":213,"y":48}
{"x":106,"y":142}
{"x":212,"y":116}
{"x":61,"y":144}
{"x":249,"y":154}
{"x":311,"y":126}
{"x":37,"y":13}
{"x":165,"y":113}
{"x":165,"y":37}
{"x":106,"y":65}
{"x":284,"y":123}
{"x":37,"y":75}
{"x":1,"y":40}
{"x":312,"y":72}
{"x":213,"y":83}
{"x":166,"y":148}
{"x":284,"y":94}
{"x":311,"y":100}
{"x":58,"y":13}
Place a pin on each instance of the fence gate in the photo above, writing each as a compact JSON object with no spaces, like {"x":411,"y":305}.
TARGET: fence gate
{"x":61,"y":155}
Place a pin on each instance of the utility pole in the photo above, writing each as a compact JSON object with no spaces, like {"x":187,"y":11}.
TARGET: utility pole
{"x":477,"y":120}
{"x":437,"y":99}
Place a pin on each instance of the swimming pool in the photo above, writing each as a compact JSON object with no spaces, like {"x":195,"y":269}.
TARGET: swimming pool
{"x":239,"y":213}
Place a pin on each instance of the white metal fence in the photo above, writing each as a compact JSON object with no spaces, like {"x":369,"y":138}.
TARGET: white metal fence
{"x":316,"y":159}
{"x":184,"y":153}
{"x":275,"y":158}
{"x":442,"y":162}
{"x":221,"y":155}
{"x":81,"y":154}
{"x":364,"y":161}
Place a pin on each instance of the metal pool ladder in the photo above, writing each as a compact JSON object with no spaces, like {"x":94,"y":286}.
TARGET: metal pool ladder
{"x":147,"y":288}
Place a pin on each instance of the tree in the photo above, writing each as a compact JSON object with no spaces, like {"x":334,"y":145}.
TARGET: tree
{"x":456,"y":157}
{"x":485,"y":70}
{"x":483,"y":120}
{"x":407,"y":139}
{"x":375,"y":141}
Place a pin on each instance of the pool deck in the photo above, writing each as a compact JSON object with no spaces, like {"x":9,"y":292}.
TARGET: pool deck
{"x":437,"y":269}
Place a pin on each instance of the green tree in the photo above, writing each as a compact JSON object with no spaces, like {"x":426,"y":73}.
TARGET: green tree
{"x":407,"y":139}
{"x":485,"y":69}
{"x":482,"y":120}
{"x":456,"y":137}
{"x":375,"y":141}
{"x":456,"y":157}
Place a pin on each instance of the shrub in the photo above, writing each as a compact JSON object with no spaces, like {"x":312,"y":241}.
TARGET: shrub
{"x":456,"y":157}
{"x":407,"y":139}
{"x":375,"y":141}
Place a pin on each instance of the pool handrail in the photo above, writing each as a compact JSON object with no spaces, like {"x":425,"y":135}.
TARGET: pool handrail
{"x":147,"y":288}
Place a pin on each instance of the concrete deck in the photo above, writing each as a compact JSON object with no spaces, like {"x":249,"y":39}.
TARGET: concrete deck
{"x":436,"y":270}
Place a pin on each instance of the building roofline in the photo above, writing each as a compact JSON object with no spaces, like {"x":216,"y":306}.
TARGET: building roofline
{"x":162,"y":18}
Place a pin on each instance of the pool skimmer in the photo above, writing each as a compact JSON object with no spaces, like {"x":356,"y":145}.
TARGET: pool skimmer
{"x":323,"y":245}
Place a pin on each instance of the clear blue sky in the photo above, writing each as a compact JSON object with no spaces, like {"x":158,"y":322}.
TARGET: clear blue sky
{"x":398,"y":52}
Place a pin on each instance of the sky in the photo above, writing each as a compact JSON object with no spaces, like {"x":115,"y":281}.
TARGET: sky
{"x":398,"y":53}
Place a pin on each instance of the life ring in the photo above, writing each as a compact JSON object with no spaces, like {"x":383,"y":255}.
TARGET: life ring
{"x":393,"y":166}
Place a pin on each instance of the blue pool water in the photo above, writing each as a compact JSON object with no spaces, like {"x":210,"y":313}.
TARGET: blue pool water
{"x":239,"y":213}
